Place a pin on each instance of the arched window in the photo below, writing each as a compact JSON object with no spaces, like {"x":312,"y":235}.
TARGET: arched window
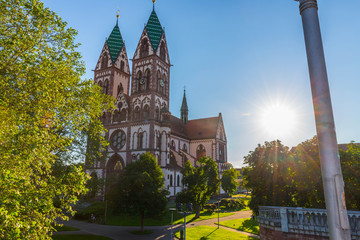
{"x":157,"y":113}
{"x":139,"y":80}
{"x":162,"y":51}
{"x":221,"y":152}
{"x":158,"y":81}
{"x":120,"y":89}
{"x":123,"y":115}
{"x":158,"y":141}
{"x":116,"y":116}
{"x":137,"y":113}
{"x":171,"y":180}
{"x":122,"y":65}
{"x":144,"y":49}
{"x":172,"y":145}
{"x":106,"y":85}
{"x":178,"y":180}
{"x":103,"y":118}
{"x":200,"y":151}
{"x":163,"y":90}
{"x":146,"y":112}
{"x":104,"y":61}
{"x":140,"y":140}
{"x":184,"y":148}
{"x":147,"y":79}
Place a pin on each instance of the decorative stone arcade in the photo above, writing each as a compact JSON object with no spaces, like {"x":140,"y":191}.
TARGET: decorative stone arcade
{"x":300,"y":223}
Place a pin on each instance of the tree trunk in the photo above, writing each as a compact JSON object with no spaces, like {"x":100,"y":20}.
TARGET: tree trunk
{"x":142,"y":221}
{"x":198,"y":208}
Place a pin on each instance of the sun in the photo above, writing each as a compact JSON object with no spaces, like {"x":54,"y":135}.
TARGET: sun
{"x":278,"y":120}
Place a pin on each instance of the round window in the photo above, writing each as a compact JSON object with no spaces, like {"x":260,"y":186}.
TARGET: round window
{"x":117,"y":140}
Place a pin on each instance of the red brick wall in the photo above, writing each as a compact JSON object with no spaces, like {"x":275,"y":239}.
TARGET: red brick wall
{"x":270,"y":234}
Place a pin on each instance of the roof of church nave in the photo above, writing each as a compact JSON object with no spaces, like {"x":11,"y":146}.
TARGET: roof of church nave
{"x":203,"y":128}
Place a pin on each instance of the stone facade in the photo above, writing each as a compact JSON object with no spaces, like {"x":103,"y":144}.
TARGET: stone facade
{"x":141,"y":121}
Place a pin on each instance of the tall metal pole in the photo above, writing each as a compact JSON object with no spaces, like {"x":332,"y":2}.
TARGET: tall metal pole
{"x":337,"y":218}
{"x":184,"y":225}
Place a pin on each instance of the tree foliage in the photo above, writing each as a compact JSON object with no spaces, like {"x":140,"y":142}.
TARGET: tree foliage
{"x":266,"y":175}
{"x":46,"y":112}
{"x":279,"y":177}
{"x":141,"y":188}
{"x":228,"y":183}
{"x":200,"y":183}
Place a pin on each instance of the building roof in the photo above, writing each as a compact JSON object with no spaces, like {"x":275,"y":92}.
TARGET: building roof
{"x":154,"y":30}
{"x":204,"y":128}
{"x":178,"y":127}
{"x":115,"y":43}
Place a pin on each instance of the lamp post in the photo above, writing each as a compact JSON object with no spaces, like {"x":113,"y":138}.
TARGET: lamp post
{"x":337,"y":218}
{"x":172,"y":210}
{"x":218,"y":212}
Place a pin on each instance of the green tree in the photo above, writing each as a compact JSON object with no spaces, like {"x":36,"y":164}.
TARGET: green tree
{"x":200,"y":183}
{"x":306,"y":175}
{"x":141,"y":188}
{"x":46,"y":112}
{"x":228,"y":181}
{"x":350,"y":165}
{"x":267,"y":175}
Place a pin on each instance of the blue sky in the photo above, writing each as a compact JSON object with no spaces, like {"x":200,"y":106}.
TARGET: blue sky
{"x":237,"y":57}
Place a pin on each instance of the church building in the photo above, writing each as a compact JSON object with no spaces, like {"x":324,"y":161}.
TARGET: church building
{"x":141,"y":121}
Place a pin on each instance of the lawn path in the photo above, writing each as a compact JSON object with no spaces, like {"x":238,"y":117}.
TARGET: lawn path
{"x":159,"y":232}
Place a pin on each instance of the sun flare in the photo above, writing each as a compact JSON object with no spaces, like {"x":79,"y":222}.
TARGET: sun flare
{"x":278,"y":120}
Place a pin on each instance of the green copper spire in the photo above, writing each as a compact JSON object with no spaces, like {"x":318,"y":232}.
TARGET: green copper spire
{"x":184,"y":109}
{"x":115,"y":43}
{"x":154,"y":29}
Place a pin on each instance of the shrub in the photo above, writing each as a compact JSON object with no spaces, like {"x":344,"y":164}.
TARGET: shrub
{"x":210,"y":207}
{"x":232,"y":204}
{"x":96,"y":208}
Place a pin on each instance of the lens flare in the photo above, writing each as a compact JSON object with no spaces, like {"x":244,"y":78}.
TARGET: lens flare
{"x":278,"y":120}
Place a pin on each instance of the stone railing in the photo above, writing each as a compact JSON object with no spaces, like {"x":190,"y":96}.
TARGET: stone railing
{"x":304,"y":221}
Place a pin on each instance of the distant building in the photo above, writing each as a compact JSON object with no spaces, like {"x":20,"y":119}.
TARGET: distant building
{"x":141,"y":121}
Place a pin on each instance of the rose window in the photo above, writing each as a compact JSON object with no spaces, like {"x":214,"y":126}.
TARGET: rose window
{"x":117,"y":140}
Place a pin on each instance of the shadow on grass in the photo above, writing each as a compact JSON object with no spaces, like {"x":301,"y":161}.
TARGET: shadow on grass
{"x":207,"y":236}
{"x":249,"y":226}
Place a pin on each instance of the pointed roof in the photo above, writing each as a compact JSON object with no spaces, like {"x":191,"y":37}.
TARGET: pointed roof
{"x":115,"y":43}
{"x":154,"y":29}
{"x":184,"y":106}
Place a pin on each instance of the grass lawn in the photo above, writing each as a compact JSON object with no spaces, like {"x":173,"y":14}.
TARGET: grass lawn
{"x":79,"y":237}
{"x":209,"y":233}
{"x":242,"y":224}
{"x":65,"y":228}
{"x":203,"y":216}
{"x":165,"y":219}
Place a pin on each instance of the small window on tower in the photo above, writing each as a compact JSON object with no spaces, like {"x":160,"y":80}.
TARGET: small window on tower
{"x":104,"y":61}
{"x":144,"y":49}
{"x":162,"y":51}
{"x":137,"y":114}
{"x":146,"y":112}
{"x":122,"y":65}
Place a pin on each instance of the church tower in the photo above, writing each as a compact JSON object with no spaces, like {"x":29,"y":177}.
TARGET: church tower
{"x":184,"y":110}
{"x":112,"y":71}
{"x":150,"y":84}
